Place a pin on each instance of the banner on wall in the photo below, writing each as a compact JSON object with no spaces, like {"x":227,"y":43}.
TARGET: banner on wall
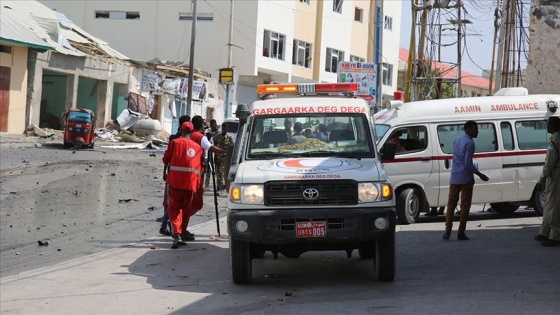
{"x":150,"y":81}
{"x":365,"y":74}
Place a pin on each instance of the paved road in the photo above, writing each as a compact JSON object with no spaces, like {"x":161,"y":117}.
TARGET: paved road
{"x":131,"y":270}
{"x":501,"y":270}
{"x":80,"y":202}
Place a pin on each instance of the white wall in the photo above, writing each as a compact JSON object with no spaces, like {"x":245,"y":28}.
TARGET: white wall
{"x":159,"y":33}
{"x":391,"y":41}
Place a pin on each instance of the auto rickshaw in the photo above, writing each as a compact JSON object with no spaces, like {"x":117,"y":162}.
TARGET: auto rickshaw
{"x":79,"y":125}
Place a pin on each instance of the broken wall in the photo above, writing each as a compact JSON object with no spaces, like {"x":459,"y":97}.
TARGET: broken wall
{"x":543,"y":64}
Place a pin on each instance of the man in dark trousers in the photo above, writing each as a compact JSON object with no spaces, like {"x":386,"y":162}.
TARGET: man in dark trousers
{"x":182,"y":170}
{"x":462,"y":180}
{"x":199,"y":137}
{"x":165,"y":219}
{"x":549,"y":234}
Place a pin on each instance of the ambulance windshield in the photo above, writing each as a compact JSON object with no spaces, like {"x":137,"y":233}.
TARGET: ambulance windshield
{"x":347,"y":135}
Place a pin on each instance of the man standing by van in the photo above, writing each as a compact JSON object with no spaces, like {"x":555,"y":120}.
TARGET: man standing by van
{"x":182,"y":171}
{"x":462,"y":180}
{"x":550,"y":179}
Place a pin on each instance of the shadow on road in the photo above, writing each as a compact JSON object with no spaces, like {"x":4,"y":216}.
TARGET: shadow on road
{"x":500,"y":261}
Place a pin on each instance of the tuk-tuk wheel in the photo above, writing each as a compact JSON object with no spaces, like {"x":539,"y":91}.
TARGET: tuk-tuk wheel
{"x":77,"y":145}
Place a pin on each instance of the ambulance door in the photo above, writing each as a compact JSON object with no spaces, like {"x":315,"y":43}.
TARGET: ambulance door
{"x":413,"y":164}
{"x":486,"y":158}
{"x":510,"y":162}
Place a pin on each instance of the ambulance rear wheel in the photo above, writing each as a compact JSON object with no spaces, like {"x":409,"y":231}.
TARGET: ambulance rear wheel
{"x":504,"y":207}
{"x":538,"y":201}
{"x":241,"y":266}
{"x":409,"y":205}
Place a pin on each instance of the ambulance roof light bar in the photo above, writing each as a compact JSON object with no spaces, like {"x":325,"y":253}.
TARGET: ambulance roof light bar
{"x":307,"y":88}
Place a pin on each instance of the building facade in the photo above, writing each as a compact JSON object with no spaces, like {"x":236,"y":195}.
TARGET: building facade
{"x":272,"y":41}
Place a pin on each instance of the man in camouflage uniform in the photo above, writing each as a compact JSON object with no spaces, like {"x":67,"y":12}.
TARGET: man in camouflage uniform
{"x":550,"y":179}
{"x":221,"y":140}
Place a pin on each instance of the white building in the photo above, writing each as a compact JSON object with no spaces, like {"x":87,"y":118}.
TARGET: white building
{"x":280,"y":41}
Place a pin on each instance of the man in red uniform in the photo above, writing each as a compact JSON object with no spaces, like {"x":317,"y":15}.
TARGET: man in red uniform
{"x":182,"y":171}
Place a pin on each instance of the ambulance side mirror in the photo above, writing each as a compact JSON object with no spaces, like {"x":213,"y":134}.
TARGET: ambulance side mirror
{"x":388,"y":151}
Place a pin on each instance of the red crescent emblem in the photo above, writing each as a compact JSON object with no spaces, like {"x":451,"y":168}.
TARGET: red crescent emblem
{"x":295,"y":164}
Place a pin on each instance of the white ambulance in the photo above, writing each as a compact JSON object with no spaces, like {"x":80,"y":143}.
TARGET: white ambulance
{"x":306,"y":176}
{"x":510,"y":149}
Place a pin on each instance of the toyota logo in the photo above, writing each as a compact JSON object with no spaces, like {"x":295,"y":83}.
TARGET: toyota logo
{"x":310,"y":194}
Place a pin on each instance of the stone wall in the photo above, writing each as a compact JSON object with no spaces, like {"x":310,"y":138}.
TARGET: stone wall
{"x":543,"y":64}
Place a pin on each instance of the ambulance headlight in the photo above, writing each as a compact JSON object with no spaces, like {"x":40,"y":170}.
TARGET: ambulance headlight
{"x":367,"y":192}
{"x":249,"y":194}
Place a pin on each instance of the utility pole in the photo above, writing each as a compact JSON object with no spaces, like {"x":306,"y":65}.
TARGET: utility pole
{"x":378,"y":54}
{"x":501,"y":45}
{"x":459,"y":22}
{"x":459,"y":59}
{"x":496,"y":27}
{"x":229,"y":62}
{"x":191,"y":61}
{"x":411,"y":54}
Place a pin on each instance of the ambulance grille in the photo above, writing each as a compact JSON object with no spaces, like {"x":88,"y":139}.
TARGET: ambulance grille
{"x":331,"y":193}
{"x":332,"y":223}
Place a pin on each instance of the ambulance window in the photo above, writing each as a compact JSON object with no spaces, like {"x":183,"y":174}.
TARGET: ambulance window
{"x":531,"y":134}
{"x":507,"y":136}
{"x":409,"y":139}
{"x":485,"y":142}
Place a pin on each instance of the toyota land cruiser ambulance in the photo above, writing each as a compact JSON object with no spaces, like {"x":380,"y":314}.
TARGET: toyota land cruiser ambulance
{"x":510,"y":149}
{"x":306,"y":176}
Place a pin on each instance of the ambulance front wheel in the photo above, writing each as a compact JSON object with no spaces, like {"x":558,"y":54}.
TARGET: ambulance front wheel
{"x":384,"y":260}
{"x":409,"y":205}
{"x":241,"y":265}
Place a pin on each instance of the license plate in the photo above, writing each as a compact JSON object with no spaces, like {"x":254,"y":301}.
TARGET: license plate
{"x":311,"y":229}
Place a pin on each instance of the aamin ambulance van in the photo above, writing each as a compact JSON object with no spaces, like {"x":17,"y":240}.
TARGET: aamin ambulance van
{"x":306,"y":176}
{"x":510,"y":149}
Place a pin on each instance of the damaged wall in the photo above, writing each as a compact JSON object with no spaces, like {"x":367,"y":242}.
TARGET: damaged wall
{"x":108,"y":71}
{"x":543,"y":64}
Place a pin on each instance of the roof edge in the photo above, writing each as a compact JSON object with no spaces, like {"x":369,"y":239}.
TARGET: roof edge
{"x":35,"y":46}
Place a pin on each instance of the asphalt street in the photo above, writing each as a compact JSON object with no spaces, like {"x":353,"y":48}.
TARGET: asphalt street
{"x":127,"y":268}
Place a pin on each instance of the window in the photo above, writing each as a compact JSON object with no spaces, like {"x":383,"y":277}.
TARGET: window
{"x":273,"y":45}
{"x":388,"y":25}
{"x":358,"y":14}
{"x":409,"y":139}
{"x":485,"y":142}
{"x":199,"y":16}
{"x":304,"y":1}
{"x":337,"y":6}
{"x":531,"y":134}
{"x":507,"y":136}
{"x":5,"y":49}
{"x":357,"y":59}
{"x":387,"y":74}
{"x":117,"y":15}
{"x":333,"y":57}
{"x":302,"y":54}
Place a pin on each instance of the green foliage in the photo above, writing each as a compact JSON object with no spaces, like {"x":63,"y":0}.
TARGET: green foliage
{"x":428,"y":88}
